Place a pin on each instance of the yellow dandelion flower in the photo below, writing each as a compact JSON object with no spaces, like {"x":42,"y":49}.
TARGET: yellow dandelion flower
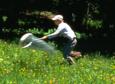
{"x":113,"y":67}
{"x":51,"y":82}
{"x":113,"y":78}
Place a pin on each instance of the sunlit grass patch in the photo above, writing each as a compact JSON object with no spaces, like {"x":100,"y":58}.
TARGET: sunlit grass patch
{"x":27,"y":66}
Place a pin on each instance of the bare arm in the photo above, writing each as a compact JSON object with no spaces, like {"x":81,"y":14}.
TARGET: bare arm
{"x":44,"y":37}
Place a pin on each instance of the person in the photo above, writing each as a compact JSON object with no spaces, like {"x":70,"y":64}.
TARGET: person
{"x":64,"y":30}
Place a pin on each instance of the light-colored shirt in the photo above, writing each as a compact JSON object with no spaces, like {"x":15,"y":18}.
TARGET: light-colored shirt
{"x":64,"y":30}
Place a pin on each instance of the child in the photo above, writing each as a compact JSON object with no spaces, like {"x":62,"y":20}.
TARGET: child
{"x":65,"y":31}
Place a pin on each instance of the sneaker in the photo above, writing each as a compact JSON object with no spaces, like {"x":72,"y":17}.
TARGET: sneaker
{"x":76,"y":54}
{"x":70,"y":60}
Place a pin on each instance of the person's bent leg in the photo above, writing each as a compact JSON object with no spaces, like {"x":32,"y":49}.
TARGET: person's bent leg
{"x":66,"y":52}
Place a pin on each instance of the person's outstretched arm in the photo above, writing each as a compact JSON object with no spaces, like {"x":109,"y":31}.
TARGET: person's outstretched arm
{"x":44,"y":37}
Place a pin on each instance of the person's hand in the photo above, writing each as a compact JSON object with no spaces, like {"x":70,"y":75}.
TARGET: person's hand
{"x":44,"y":37}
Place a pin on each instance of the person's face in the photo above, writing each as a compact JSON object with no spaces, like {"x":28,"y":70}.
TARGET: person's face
{"x":57,"y":22}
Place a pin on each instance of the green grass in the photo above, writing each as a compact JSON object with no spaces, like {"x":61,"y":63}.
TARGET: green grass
{"x":27,"y":66}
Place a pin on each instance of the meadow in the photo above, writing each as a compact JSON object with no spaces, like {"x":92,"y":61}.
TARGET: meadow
{"x":27,"y":66}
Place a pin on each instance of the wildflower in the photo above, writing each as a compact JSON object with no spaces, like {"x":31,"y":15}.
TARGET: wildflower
{"x":113,"y":67}
{"x":51,"y":82}
{"x":1,"y":59}
{"x":113,"y":78}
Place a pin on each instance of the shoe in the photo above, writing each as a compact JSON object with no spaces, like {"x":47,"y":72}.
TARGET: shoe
{"x":76,"y":54}
{"x":70,"y":60}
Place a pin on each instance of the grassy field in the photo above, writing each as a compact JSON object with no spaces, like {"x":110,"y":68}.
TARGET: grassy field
{"x":26,"y":66}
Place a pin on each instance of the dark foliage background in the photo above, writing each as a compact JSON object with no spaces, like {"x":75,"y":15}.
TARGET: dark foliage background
{"x":94,"y":19}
